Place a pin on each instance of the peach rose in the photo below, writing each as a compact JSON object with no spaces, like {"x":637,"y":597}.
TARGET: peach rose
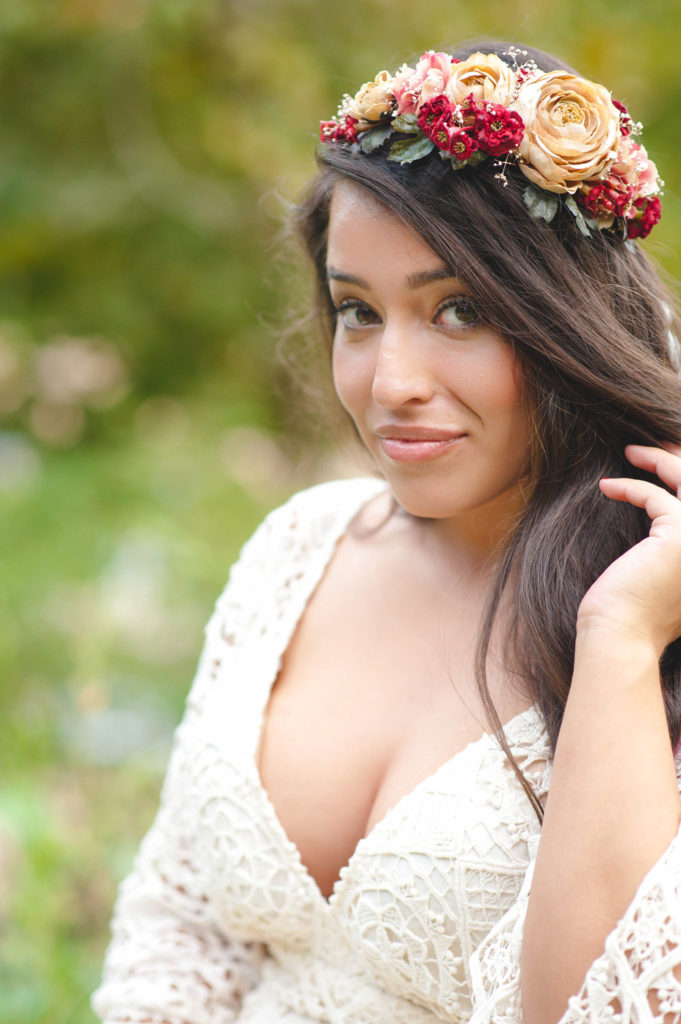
{"x":372,"y":102}
{"x":571,"y":131}
{"x":485,"y":75}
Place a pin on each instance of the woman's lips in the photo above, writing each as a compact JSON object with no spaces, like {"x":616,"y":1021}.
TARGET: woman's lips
{"x":417,"y":445}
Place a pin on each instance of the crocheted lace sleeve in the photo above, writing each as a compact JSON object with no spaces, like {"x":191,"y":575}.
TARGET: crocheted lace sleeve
{"x":637,"y":978}
{"x":169,"y":962}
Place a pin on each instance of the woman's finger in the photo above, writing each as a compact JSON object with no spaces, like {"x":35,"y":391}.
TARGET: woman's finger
{"x":655,"y":500}
{"x":664,"y":462}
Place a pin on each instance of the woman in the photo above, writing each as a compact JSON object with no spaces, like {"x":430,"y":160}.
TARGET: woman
{"x":359,"y":797}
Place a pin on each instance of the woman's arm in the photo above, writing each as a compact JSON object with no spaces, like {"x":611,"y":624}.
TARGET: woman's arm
{"x":613,"y":806}
{"x":168,"y":961}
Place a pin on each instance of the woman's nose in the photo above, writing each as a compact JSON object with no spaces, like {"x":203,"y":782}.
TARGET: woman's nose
{"x":401,"y":371}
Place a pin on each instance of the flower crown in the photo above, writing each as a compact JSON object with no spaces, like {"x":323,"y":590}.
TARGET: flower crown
{"x":570,"y":139}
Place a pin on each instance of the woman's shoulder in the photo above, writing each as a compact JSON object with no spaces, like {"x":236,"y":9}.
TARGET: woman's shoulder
{"x":333,"y":497}
{"x":281,"y":564}
{"x":316,"y":513}
{"x":296,"y":538}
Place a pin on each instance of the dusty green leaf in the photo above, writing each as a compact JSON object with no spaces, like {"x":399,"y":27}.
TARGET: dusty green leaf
{"x":408,"y":150}
{"x":407,"y":123}
{"x":375,"y":138}
{"x":542,"y":205}
{"x":584,"y":223}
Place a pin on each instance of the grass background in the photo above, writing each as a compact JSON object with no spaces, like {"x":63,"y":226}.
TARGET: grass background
{"x":148,"y":152}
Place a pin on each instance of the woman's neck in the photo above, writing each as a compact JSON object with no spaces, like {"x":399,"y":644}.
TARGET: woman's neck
{"x":480,"y":533}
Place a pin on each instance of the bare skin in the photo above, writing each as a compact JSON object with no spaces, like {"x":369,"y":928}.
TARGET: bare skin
{"x":377,"y":687}
{"x":613,"y":806}
{"x":376,"y":690}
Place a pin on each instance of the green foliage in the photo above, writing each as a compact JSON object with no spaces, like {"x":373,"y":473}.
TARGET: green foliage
{"x":540,"y":203}
{"x":375,"y":139}
{"x":407,"y":123}
{"x":148,"y":152}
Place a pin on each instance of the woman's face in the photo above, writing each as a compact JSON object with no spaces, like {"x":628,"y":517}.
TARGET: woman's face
{"x":435,"y":393}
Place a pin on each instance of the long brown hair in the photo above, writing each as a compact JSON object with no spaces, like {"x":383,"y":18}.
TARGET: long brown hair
{"x":594,"y":330}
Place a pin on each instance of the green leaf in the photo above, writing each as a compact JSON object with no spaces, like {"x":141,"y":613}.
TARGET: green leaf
{"x":583,"y":223}
{"x":407,"y":123}
{"x":408,"y":150}
{"x":375,"y":138}
{"x":542,"y":205}
{"x":478,"y":157}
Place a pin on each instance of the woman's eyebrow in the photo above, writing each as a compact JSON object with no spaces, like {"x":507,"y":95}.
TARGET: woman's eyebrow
{"x":423,"y":277}
{"x":416,"y":280}
{"x":338,"y":275}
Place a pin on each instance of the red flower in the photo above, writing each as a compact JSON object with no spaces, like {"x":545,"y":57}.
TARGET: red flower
{"x":440,"y":136}
{"x":328,"y":131}
{"x":498,"y":129}
{"x":433,"y":114}
{"x":625,"y":119}
{"x":607,"y":199}
{"x":462,"y":145}
{"x":335,"y":131}
{"x":436,"y":122}
{"x":643,"y":216}
{"x":471,"y":110}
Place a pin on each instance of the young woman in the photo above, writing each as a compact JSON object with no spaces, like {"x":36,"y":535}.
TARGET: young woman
{"x":427,"y":769}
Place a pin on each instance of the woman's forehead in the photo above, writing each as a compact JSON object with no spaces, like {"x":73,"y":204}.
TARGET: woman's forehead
{"x":349,"y":199}
{"x":363,"y":230}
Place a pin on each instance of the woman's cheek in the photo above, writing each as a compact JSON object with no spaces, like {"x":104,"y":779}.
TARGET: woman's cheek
{"x":351,"y":377}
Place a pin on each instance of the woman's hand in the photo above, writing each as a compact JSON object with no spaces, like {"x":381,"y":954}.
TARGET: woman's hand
{"x":640,"y":593}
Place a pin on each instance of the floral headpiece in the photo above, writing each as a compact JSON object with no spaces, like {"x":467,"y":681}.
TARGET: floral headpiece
{"x":570,"y":139}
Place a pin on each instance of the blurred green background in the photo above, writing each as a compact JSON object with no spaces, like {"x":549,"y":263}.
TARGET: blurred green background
{"x":148,"y":151}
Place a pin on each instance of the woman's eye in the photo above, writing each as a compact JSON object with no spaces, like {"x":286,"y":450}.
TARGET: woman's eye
{"x":354,"y":314}
{"x":460,"y":311}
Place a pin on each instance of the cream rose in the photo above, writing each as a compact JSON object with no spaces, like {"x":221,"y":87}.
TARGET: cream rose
{"x":485,"y":75}
{"x":372,"y":102}
{"x":571,"y":130}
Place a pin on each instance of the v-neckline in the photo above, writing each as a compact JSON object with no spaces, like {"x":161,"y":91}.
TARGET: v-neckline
{"x":313,"y":578}
{"x":328,"y":901}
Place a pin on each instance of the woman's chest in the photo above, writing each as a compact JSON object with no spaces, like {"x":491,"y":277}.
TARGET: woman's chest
{"x":368,"y":703}
{"x":341,"y":746}
{"x":419,"y":892}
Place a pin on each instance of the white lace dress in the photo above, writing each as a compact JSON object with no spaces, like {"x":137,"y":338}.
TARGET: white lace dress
{"x":220,"y":922}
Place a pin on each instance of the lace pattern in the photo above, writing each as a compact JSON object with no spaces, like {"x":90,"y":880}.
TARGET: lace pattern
{"x":220,"y":922}
{"x":636,"y":980}
{"x":168,"y":962}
